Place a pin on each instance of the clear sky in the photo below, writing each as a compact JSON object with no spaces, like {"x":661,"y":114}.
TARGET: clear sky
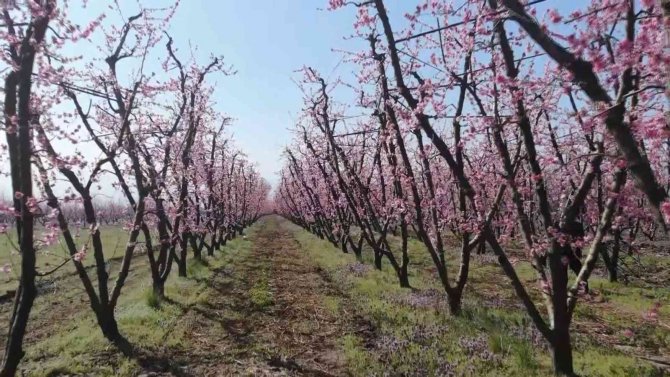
{"x":266,"y":41}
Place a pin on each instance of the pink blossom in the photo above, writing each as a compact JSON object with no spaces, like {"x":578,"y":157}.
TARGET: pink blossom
{"x":554,"y":16}
{"x":81,"y":254}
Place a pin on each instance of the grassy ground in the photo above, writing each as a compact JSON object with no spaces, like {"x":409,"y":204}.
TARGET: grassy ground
{"x":255,"y":308}
{"x":282,"y":302}
{"x":114,"y":239}
{"x":63,"y":337}
{"x":411,"y":334}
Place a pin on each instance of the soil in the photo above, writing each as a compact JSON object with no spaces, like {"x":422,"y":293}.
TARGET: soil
{"x":293,"y":335}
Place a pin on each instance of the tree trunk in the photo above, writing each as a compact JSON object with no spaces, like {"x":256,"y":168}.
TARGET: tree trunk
{"x":561,"y":354}
{"x":18,"y":92}
{"x":14,"y":349}
{"x":561,"y":347}
{"x":159,"y":288}
{"x":110,"y":330}
{"x":358,"y":249}
{"x":613,"y":268}
{"x":612,"y":272}
{"x":403,"y":276}
{"x":181,"y":261}
{"x":378,"y":260}
{"x":216,"y":245}
{"x":455,"y":300}
{"x":108,"y":325}
{"x":612,"y":260}
{"x":181,"y":269}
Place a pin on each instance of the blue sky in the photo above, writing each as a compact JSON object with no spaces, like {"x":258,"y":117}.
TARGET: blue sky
{"x":265,"y":41}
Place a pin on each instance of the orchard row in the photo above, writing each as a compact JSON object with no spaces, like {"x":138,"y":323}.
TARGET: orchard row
{"x":83,"y":113}
{"x":534,"y":133}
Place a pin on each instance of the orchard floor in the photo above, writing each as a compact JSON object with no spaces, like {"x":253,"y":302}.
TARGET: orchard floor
{"x":253,"y":309}
{"x":281,"y":302}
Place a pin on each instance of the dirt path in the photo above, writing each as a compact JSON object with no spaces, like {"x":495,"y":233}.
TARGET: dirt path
{"x":264,"y":316}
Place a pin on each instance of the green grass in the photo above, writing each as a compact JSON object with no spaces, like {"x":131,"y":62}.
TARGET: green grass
{"x":487,"y":340}
{"x":114,"y":239}
{"x":73,"y":346}
{"x":197,"y":269}
{"x":260,"y":294}
{"x":152,"y":299}
{"x":76,"y":346}
{"x":426,"y":340}
{"x":332,"y":303}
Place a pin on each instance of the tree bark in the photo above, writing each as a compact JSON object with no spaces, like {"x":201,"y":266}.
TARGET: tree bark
{"x":26,"y":292}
